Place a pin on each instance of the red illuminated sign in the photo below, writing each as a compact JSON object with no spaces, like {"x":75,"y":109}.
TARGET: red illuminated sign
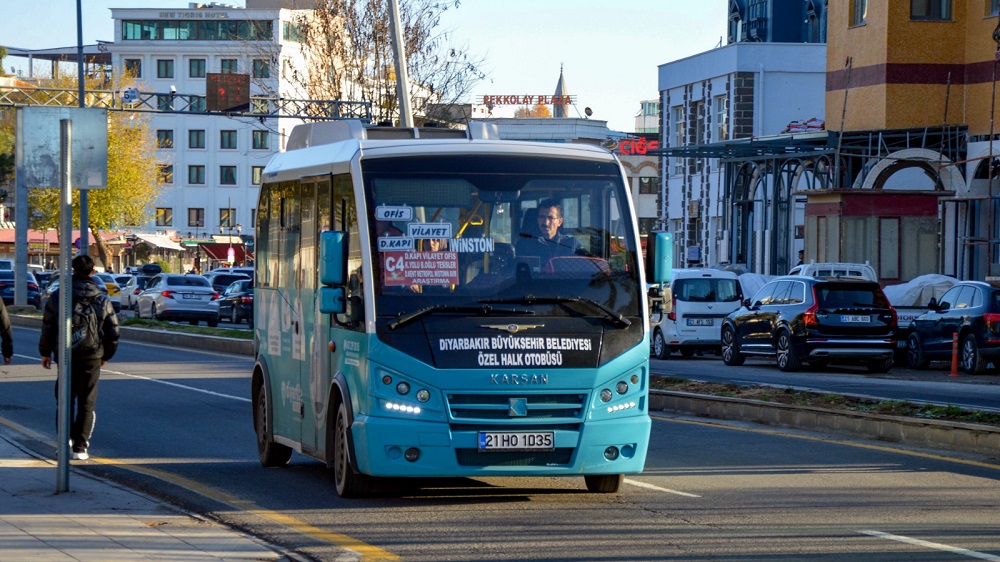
{"x":227,"y":92}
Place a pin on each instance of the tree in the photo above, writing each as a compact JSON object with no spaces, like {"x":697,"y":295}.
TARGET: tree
{"x":539,"y":110}
{"x":134,"y":181}
{"x":348,"y":48}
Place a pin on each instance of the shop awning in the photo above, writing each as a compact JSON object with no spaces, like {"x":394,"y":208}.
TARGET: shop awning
{"x":221,"y":252}
{"x":159,"y":241}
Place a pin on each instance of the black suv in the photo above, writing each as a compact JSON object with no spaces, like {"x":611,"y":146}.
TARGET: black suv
{"x":972,"y":310}
{"x":815,"y":320}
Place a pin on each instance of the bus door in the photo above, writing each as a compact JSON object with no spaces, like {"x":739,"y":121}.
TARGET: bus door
{"x":310,"y":338}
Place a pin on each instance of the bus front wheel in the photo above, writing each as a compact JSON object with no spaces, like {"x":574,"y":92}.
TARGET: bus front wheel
{"x":349,"y":484}
{"x":271,"y":454}
{"x":604,"y":483}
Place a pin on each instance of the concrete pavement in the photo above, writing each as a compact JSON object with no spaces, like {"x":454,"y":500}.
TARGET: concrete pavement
{"x":98,"y":520}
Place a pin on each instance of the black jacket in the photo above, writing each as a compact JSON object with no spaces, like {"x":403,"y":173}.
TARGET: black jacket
{"x":86,"y":290}
{"x":6,"y":334}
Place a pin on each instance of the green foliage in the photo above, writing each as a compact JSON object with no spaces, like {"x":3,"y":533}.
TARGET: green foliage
{"x":164,"y":265}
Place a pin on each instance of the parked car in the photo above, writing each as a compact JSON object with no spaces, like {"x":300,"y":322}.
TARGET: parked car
{"x":174,"y":296}
{"x":236,"y":303}
{"x":836,"y":269}
{"x":221,"y":280}
{"x":113,"y":289}
{"x":696,"y":301}
{"x":131,"y":289}
{"x":43,"y":279}
{"x":53,"y":285}
{"x":7,"y":288}
{"x":245,"y":270}
{"x":815,"y":320}
{"x":970,"y":309}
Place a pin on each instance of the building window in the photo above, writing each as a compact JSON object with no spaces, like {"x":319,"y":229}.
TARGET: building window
{"x":859,"y":12}
{"x":679,"y":126}
{"x":227,"y":175}
{"x":646,"y":225}
{"x":164,"y":68}
{"x":227,"y":139}
{"x":196,"y":68}
{"x":649,"y":185}
{"x":258,"y":174}
{"x":261,"y":68}
{"x":197,"y":104}
{"x":934,"y":10}
{"x":721,"y":111}
{"x":992,"y":7}
{"x":133,"y":67}
{"x":230,"y":66}
{"x":258,"y":105}
{"x":196,"y":175}
{"x":699,"y":132}
{"x":261,"y":140}
{"x":253,"y":218}
{"x":196,"y":218}
{"x":164,"y":216}
{"x":166,"y":173}
{"x":164,"y":138}
{"x":196,"y":138}
{"x":227,"y":217}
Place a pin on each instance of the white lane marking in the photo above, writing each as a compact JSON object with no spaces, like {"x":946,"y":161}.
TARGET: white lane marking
{"x":934,"y":545}
{"x":185,"y":387}
{"x":658,"y":489}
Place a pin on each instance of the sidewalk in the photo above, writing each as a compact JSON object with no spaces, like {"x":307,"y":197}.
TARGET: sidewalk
{"x":100,"y":521}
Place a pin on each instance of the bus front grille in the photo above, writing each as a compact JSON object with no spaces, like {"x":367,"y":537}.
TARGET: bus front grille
{"x":473,"y":457}
{"x":490,"y":407}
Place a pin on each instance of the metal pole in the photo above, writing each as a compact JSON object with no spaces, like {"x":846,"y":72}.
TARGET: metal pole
{"x":84,"y":203}
{"x":402,"y":80}
{"x":65,"y":304}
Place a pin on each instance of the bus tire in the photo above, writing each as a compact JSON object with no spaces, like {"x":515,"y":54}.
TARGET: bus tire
{"x":349,"y":484}
{"x":604,"y":483}
{"x":271,"y":454}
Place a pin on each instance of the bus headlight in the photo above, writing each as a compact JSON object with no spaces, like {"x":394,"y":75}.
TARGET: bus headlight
{"x":403,"y":388}
{"x":605,"y":395}
{"x":621,"y":387}
{"x":423,"y":395}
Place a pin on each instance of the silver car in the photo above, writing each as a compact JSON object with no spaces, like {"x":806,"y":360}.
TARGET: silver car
{"x":174,"y":296}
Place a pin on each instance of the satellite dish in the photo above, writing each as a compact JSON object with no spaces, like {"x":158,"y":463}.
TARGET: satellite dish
{"x":588,"y":112}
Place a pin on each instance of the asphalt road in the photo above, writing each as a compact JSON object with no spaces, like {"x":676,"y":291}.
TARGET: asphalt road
{"x":178,"y":424}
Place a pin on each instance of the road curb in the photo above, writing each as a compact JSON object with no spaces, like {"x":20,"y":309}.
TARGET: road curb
{"x":954,"y":436}
{"x":179,"y":339}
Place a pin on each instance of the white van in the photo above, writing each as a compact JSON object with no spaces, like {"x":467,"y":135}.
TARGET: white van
{"x":695,"y":303}
{"x":831,"y":269}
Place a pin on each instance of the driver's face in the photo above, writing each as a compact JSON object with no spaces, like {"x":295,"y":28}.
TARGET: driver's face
{"x":549,"y":221}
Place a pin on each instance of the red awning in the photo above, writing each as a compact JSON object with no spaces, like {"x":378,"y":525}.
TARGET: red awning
{"x":221,"y":252}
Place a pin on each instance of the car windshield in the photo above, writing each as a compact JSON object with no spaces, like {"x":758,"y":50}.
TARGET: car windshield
{"x":706,"y":290}
{"x":462,"y":230}
{"x":187,"y":282}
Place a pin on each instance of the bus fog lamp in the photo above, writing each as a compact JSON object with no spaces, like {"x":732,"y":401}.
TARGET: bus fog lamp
{"x":412,"y":454}
{"x":423,"y":395}
{"x":605,"y":395}
{"x":403,"y":388}
{"x":621,"y":387}
{"x":386,"y":380}
{"x":611,"y":453}
{"x":635,"y":379}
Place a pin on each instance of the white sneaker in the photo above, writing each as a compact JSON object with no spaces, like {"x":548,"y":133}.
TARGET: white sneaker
{"x":81,"y":456}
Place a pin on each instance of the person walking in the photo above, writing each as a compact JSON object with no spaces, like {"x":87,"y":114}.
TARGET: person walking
{"x":94,"y":341}
{"x":6,"y":336}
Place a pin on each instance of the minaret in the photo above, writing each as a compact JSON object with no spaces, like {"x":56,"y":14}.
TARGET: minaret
{"x":558,"y":109}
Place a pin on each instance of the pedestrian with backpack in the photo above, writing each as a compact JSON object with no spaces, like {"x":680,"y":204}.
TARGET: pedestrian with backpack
{"x":93,"y":342}
{"x":6,"y":335}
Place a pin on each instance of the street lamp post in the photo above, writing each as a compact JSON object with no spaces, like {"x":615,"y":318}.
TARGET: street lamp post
{"x":223,"y":229}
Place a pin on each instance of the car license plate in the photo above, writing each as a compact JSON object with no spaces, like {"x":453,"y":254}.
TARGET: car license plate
{"x":854,"y":319}
{"x":699,"y":321}
{"x":192,"y":296}
{"x":516,"y":441}
{"x":901,"y":344}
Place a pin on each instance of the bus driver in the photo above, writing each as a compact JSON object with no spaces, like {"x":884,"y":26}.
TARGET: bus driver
{"x":549,"y":242}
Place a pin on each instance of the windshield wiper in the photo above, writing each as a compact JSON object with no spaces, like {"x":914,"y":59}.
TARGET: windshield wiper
{"x":484,"y":310}
{"x":614,"y":317}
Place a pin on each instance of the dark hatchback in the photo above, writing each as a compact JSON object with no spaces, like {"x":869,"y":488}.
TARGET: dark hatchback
{"x":970,"y":309}
{"x":221,"y":280}
{"x":813,"y":320}
{"x":7,"y":288}
{"x":236,"y":303}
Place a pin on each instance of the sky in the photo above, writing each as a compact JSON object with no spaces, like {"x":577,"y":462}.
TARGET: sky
{"x":609,"y":50}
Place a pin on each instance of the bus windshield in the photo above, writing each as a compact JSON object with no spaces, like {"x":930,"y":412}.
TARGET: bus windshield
{"x":546,"y":236}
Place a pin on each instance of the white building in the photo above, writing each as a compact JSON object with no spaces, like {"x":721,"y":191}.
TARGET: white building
{"x":739,"y":91}
{"x":212,"y":164}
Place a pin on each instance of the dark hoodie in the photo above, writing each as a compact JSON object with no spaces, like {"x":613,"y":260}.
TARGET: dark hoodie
{"x":84,"y":290}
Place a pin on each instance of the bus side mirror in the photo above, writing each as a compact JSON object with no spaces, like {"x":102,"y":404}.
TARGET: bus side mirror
{"x":333,"y":257}
{"x":331,"y":300}
{"x":659,"y":257}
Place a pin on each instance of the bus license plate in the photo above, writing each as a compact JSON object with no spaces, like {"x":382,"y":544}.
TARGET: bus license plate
{"x":699,"y":321}
{"x":516,"y":441}
{"x":854,"y":319}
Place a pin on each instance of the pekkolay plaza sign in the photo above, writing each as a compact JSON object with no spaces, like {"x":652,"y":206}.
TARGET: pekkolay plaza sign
{"x":527,"y":100}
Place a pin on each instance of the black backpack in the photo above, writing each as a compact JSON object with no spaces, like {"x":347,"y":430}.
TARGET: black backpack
{"x":85,"y":329}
